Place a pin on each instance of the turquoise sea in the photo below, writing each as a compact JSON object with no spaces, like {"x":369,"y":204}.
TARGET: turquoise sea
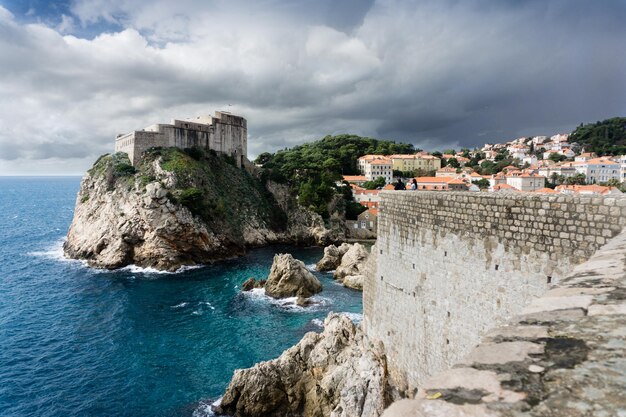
{"x":75,"y":341}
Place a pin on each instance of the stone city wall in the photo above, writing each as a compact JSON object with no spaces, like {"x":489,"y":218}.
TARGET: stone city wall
{"x":564,"y":356}
{"x":452,"y":265}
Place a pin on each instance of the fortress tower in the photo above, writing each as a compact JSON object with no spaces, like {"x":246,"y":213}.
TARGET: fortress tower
{"x":224,"y":132}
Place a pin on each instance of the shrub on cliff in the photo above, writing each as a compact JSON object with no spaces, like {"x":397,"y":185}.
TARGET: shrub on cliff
{"x":213,"y":188}
{"x":192,"y":198}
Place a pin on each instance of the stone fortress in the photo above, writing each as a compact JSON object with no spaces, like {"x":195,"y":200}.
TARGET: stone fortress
{"x":224,"y":133}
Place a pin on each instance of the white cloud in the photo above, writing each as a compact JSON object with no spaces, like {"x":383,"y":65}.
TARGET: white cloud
{"x":438,"y":74}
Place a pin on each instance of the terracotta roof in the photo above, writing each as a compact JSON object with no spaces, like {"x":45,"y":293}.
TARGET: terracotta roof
{"x":456,"y":181}
{"x":389,"y":187}
{"x":401,"y":156}
{"x":381,"y":162}
{"x":373,"y":211}
{"x":531,"y":176}
{"x":601,"y":161}
{"x":598,"y":189}
{"x":433,"y":179}
{"x":354,"y":178}
{"x":547,"y":191}
{"x":371,"y":157}
{"x":504,"y":187}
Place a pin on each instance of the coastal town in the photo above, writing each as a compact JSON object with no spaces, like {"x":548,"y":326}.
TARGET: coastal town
{"x":540,"y":164}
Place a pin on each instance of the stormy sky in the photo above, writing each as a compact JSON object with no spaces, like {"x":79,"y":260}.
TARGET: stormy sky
{"x":435,"y":73}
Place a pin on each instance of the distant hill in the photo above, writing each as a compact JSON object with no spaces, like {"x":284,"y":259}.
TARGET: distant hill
{"x":604,"y":138}
{"x":313,"y":168}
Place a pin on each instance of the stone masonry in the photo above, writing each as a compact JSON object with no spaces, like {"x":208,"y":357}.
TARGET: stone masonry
{"x":563,"y":356}
{"x":453,"y":265}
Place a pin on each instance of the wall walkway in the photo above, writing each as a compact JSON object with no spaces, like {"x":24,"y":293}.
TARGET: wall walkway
{"x":563,"y":356}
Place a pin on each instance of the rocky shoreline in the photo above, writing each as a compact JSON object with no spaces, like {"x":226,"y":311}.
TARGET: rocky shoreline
{"x":337,"y":373}
{"x":174,"y":211}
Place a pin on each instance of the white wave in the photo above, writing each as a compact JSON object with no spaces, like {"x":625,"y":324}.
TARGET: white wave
{"x":206,"y":303}
{"x":289,"y":303}
{"x":197,"y":312}
{"x":355,"y":317}
{"x":134,"y":269}
{"x":311,"y":267}
{"x":205,"y":409}
{"x":181,"y":305}
{"x":55,"y":252}
{"x":318,"y":322}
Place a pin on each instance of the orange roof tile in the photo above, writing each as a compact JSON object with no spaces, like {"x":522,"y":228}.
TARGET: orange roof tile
{"x":381,"y":162}
{"x":547,"y":191}
{"x":354,"y":178}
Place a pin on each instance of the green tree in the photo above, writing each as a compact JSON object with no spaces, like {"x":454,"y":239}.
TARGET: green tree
{"x":557,"y":157}
{"x":576,"y":179}
{"x":372,"y":185}
{"x":482,"y":183}
{"x":604,"y":138}
{"x":454,"y":163}
{"x":263,"y":158}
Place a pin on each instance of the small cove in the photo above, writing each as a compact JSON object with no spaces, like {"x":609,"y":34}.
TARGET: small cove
{"x":76,"y":341}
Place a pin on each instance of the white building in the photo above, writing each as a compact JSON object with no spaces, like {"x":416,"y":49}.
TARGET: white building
{"x":565,"y":169}
{"x":599,"y":170}
{"x":374,"y":166}
{"x":526,"y":182}
{"x":530,"y":160}
{"x":622,"y":162}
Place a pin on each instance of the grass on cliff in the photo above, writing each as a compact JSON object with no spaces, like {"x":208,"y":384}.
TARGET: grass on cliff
{"x":213,"y":188}
{"x":113,"y":167}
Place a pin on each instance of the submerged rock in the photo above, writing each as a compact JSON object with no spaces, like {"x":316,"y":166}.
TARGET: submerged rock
{"x":252,"y":283}
{"x":352,"y":262}
{"x":289,"y":278}
{"x":332,"y":257}
{"x":336,"y":373}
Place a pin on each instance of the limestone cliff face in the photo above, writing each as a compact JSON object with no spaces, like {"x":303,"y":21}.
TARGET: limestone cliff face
{"x":179,"y":209}
{"x":335,"y":373}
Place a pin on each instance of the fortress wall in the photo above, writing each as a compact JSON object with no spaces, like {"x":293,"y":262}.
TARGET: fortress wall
{"x":227,"y":134}
{"x":143,"y":142}
{"x":451,"y":265}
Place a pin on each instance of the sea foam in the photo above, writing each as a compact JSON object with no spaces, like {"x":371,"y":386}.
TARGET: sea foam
{"x":288,"y":303}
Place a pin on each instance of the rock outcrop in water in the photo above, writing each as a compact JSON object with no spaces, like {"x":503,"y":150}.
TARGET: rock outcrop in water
{"x":181,"y":208}
{"x":290,"y":278}
{"x":335,"y":373}
{"x":332,"y":257}
{"x":351,"y":262}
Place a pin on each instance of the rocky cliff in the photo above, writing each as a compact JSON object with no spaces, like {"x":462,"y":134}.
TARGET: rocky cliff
{"x":181,"y":208}
{"x":336,"y":373}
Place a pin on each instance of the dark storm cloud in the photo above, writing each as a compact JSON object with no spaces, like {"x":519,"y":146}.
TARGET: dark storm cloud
{"x":435,"y":73}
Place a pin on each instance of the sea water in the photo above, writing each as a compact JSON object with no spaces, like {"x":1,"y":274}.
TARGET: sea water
{"x":76,"y":341}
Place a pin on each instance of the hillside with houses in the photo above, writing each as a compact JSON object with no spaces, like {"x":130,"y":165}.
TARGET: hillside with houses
{"x":540,"y":164}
